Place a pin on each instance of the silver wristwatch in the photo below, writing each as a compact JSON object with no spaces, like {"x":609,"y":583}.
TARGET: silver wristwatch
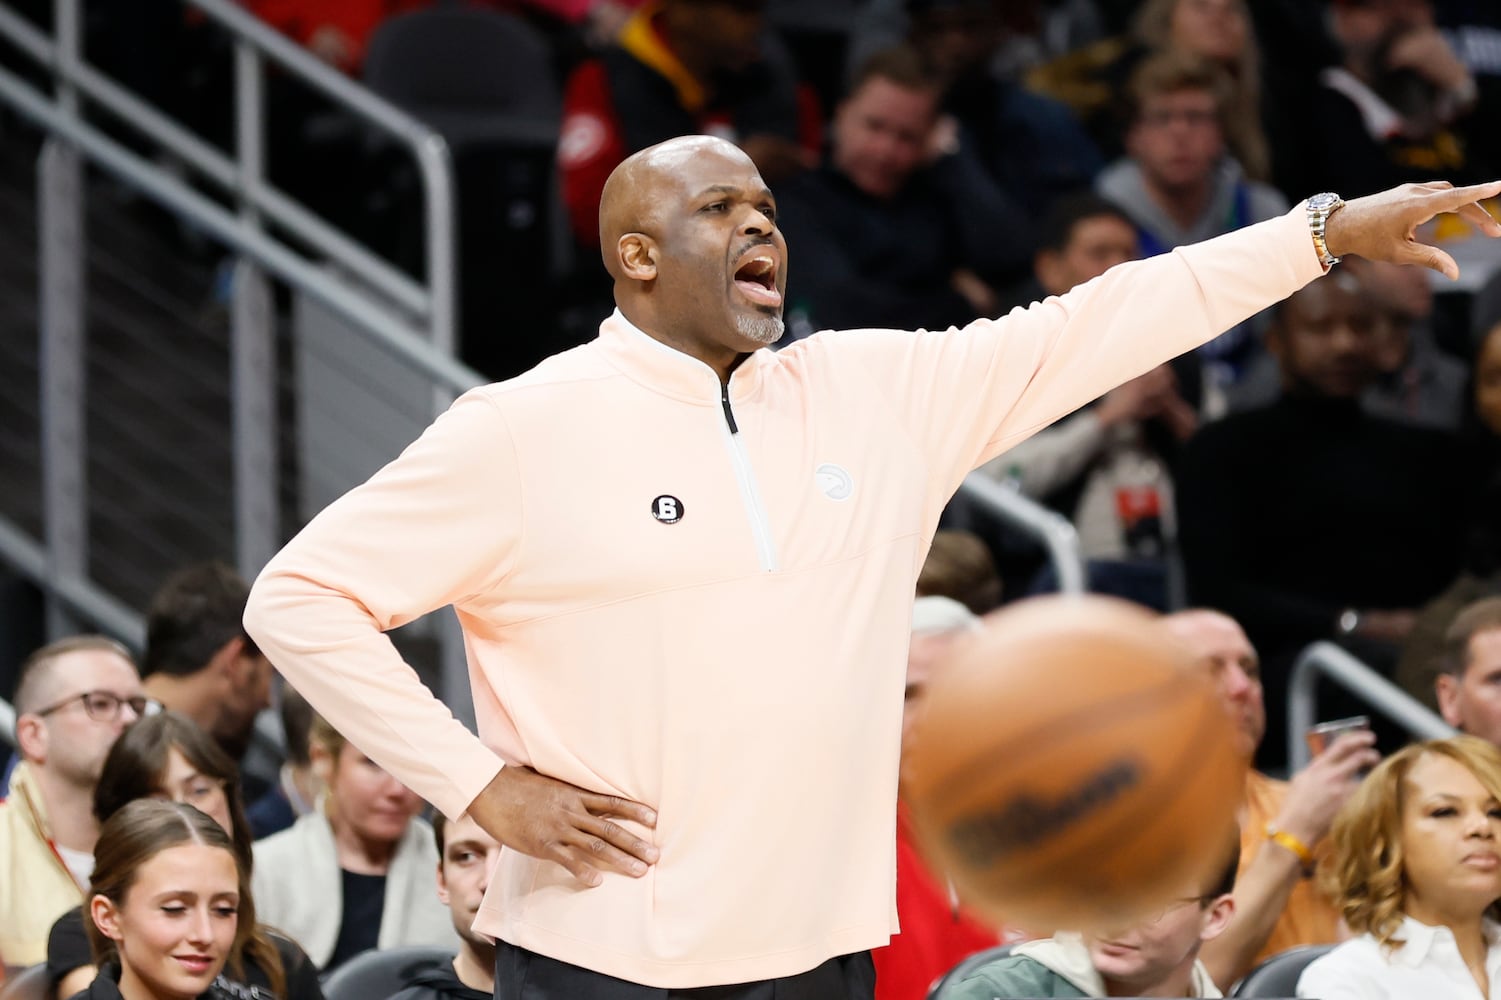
{"x":1320,"y":207}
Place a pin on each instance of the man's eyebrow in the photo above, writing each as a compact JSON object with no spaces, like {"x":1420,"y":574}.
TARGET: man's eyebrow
{"x":734,"y":189}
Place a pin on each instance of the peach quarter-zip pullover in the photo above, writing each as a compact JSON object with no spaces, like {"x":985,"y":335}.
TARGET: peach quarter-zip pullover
{"x":699,"y":598}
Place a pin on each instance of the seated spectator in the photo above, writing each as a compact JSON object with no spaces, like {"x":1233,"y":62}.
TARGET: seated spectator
{"x":1468,"y":685}
{"x":1416,"y":873}
{"x":1093,"y":79}
{"x":1282,"y":823}
{"x":296,"y":790}
{"x":1158,"y":957}
{"x":888,"y":236}
{"x":168,"y":757}
{"x":1416,"y":382}
{"x":1310,"y":519}
{"x":200,"y":662}
{"x":355,"y":874}
{"x":467,"y":856}
{"x":1107,"y":467}
{"x":171,"y":906}
{"x":1388,"y":112}
{"x":1480,"y":574}
{"x":681,"y":67}
{"x":1082,"y":237}
{"x":1178,"y":183}
{"x":73,"y":699}
{"x":936,"y":931}
{"x":960,"y":567}
{"x":1031,"y":145}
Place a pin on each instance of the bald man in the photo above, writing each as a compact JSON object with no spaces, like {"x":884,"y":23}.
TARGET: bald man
{"x":683,"y":565}
{"x":1281,"y":822}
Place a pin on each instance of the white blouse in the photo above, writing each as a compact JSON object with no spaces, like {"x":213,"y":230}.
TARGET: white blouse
{"x":1427,"y":966}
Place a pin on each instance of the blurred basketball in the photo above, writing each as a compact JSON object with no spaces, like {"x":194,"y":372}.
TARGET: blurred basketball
{"x":1072,"y":767}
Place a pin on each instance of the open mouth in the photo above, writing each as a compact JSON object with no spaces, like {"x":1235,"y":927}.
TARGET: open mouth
{"x":756,"y":277}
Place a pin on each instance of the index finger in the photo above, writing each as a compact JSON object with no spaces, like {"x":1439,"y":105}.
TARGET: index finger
{"x":1454,"y":199}
{"x":623,"y":808}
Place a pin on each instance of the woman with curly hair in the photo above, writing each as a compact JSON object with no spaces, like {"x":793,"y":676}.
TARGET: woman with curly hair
{"x":1415,"y":871}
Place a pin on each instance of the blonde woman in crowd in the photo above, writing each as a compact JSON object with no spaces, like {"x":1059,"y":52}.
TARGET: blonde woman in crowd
{"x":357,"y":872}
{"x":1416,"y":873}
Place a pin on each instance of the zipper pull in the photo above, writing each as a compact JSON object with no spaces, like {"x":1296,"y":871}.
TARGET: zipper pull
{"x":729,"y":415}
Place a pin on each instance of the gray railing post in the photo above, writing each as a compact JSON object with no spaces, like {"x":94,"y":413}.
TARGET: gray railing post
{"x":1053,"y":530}
{"x":62,"y":391}
{"x":253,"y":362}
{"x":442,"y":264}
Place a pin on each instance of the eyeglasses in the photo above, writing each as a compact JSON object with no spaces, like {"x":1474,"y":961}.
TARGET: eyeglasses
{"x":103,"y":706}
{"x":200,"y":792}
{"x":1173,"y":904}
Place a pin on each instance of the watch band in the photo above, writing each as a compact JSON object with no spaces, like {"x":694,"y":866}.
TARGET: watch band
{"x":1320,"y":208}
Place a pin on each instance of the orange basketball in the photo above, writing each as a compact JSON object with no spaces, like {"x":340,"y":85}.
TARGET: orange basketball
{"x":1072,"y":767}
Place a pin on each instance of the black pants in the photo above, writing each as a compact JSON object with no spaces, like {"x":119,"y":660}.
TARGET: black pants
{"x":525,"y":975}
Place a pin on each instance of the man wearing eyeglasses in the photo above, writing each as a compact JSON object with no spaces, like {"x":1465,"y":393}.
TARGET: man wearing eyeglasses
{"x":74,"y":699}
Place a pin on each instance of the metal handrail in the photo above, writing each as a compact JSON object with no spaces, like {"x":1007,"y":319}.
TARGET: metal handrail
{"x":411,"y":318}
{"x":224,"y":225}
{"x":1325,"y":659}
{"x":82,"y":597}
{"x":1057,"y":535}
{"x":435,"y":304}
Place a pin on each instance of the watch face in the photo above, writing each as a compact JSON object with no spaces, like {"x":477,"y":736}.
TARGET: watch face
{"x":1323,"y":202}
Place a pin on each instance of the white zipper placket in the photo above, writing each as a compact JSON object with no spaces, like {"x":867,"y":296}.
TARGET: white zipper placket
{"x":749,"y":494}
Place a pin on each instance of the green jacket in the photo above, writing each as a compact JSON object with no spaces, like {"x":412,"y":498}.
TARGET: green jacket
{"x":1012,"y":976}
{"x":1056,"y":967}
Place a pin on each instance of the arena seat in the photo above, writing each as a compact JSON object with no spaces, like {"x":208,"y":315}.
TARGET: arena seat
{"x":375,"y":974}
{"x":1278,"y":975}
{"x":28,"y":984}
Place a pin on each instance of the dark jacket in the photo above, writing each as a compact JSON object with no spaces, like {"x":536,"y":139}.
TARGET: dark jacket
{"x":68,"y":949}
{"x":438,"y":982}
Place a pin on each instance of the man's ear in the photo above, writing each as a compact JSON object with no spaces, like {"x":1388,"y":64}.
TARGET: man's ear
{"x":226,"y":659}
{"x":106,"y":917}
{"x":1446,"y":688}
{"x":638,"y":256}
{"x":442,"y":883}
{"x":31,"y":737}
{"x":1217,"y":917}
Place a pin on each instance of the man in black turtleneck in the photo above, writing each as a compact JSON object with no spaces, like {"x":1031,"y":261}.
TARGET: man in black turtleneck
{"x":1309,"y":519}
